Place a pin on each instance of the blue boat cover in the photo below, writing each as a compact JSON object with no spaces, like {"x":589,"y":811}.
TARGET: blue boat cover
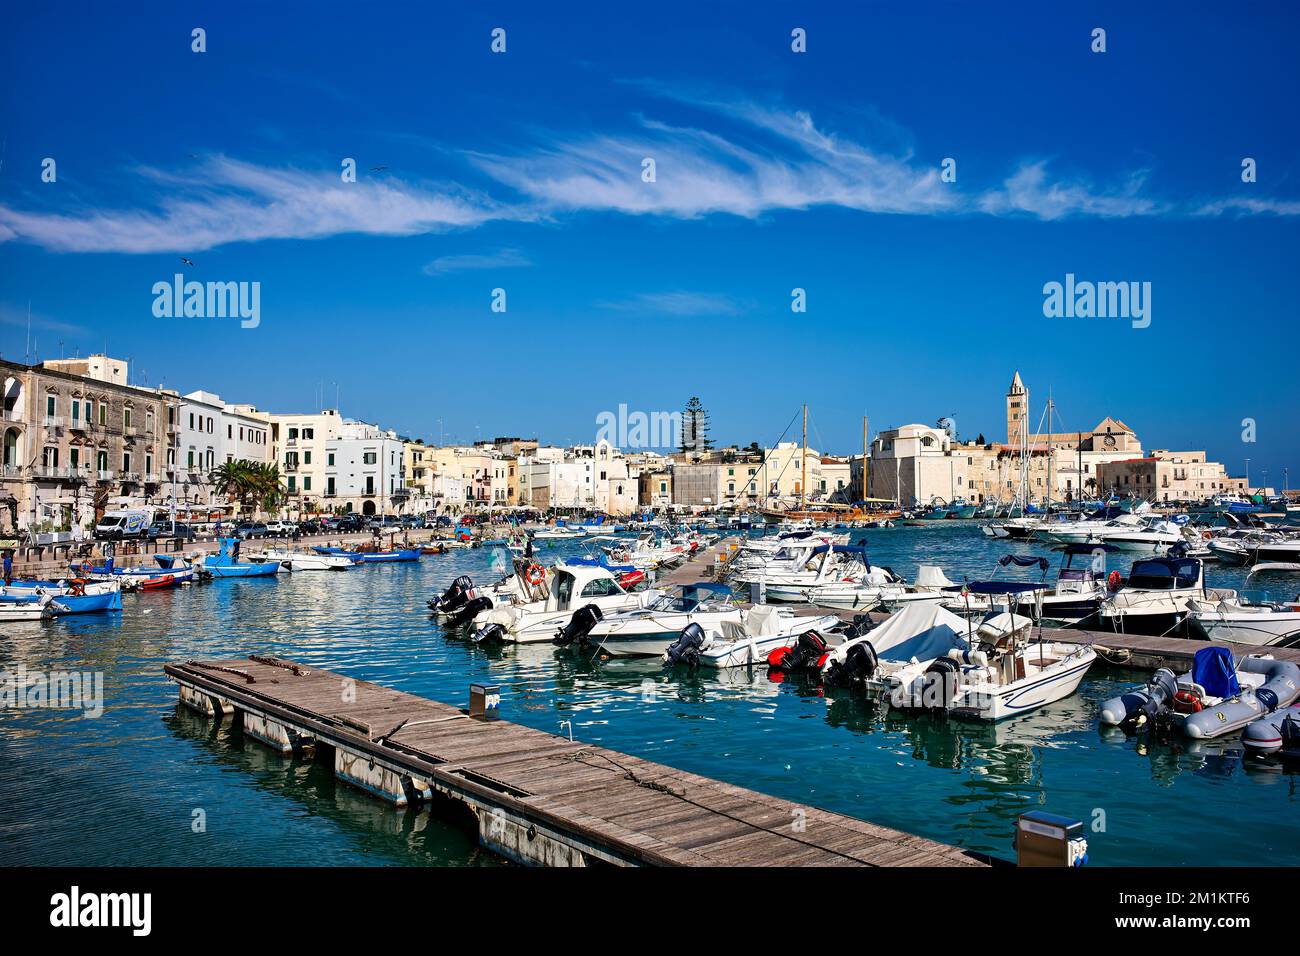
{"x":1214,"y":670}
{"x":999,"y":587}
{"x":1023,"y":562}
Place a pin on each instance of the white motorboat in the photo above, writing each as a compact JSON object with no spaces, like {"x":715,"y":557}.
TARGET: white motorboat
{"x":862,"y":594}
{"x":1241,"y":622}
{"x":572,"y":588}
{"x":933,"y":660}
{"x":1081,"y":586}
{"x":27,"y":607}
{"x":1126,"y":533}
{"x":826,"y":564}
{"x":647,"y":631}
{"x":1154,"y":600}
{"x":295,"y":560}
{"x":930,"y":587}
{"x":760,"y":630}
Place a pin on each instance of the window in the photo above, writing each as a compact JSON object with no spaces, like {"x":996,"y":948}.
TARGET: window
{"x":293,"y":434}
{"x":329,"y":459}
{"x":370,"y":485}
{"x":291,"y":484}
{"x":190,"y":458}
{"x":601,"y":587}
{"x":51,"y":403}
{"x":308,"y":433}
{"x":126,"y":461}
{"x":369,"y":458}
{"x":306,"y":483}
{"x":230,"y":432}
{"x":306,"y":458}
{"x":329,"y":486}
{"x":74,"y":458}
{"x":103,"y":413}
{"x":126,"y":418}
{"x":101,"y":460}
{"x":50,"y":458}
{"x":76,"y":412}
{"x":191,"y":421}
{"x":148,"y":464}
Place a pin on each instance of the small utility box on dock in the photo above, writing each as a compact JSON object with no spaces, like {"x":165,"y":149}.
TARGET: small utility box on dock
{"x":484,"y":699}
{"x":1046,"y":839}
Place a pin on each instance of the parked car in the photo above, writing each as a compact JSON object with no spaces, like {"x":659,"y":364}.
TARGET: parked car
{"x":383,"y":523}
{"x":350,"y":523}
{"x":279,"y":529}
{"x":309,"y":527}
{"x":412,"y":521}
{"x":250,"y":529}
{"x":170,"y":529}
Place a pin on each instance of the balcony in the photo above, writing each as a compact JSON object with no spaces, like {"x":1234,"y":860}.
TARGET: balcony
{"x":53,"y":421}
{"x":10,"y":471}
{"x":104,"y":475}
{"x":131,"y":476}
{"x":50,"y":472}
{"x":173,"y":428}
{"x":77,"y":425}
{"x":11,"y":415}
{"x":151,"y":478}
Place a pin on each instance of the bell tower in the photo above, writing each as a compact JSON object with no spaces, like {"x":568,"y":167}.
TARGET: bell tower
{"x":1017,"y":409}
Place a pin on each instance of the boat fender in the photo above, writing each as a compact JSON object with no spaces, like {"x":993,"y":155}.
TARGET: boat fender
{"x":1113,"y":581}
{"x":686,"y":649}
{"x":470,"y":611}
{"x":579,"y":626}
{"x":939,"y":684}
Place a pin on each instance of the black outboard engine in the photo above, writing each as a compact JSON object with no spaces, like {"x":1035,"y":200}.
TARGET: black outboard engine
{"x":489,"y":633}
{"x":454,"y":596}
{"x":686,"y":649}
{"x":579,"y":626}
{"x":471,"y":610}
{"x":807,"y":654}
{"x":1155,"y":703}
{"x":860,"y":662}
{"x":939,"y":684}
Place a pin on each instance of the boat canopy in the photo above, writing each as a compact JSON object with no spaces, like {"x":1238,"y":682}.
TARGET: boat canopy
{"x":704,"y":589}
{"x":1002,"y":587}
{"x":1089,"y":548}
{"x":1165,"y":573}
{"x":1020,"y":562}
{"x":857,"y":549}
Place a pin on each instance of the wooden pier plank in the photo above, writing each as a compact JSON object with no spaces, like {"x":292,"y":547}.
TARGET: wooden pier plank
{"x":637,"y":810}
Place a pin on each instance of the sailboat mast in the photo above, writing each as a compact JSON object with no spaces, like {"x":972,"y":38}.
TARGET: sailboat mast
{"x":864,"y":458}
{"x":803,"y":460}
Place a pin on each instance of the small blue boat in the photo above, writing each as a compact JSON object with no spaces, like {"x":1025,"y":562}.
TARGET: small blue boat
{"x":226,"y":564}
{"x":378,"y":557}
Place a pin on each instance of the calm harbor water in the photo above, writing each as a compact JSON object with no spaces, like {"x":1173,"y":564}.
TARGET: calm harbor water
{"x":126,"y":788}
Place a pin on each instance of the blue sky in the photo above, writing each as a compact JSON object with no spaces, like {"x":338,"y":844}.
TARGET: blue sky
{"x":775,"y":170}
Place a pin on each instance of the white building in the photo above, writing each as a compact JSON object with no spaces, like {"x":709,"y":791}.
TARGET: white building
{"x":298,"y":446}
{"x":365,"y":469}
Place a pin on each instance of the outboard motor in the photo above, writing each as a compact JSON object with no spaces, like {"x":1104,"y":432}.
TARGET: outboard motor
{"x":860,"y":662}
{"x":1142,"y":709}
{"x":686,"y":649}
{"x":579,"y":626}
{"x":456,"y":595}
{"x":808,"y":654}
{"x":939,"y":684}
{"x":470,"y":611}
{"x":489,"y":632}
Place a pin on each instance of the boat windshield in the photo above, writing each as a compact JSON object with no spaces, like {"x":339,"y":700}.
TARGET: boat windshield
{"x":1163,"y":575}
{"x":675,"y":603}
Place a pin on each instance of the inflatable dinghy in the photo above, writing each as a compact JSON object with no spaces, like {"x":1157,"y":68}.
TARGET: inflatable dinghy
{"x":1216,"y":697}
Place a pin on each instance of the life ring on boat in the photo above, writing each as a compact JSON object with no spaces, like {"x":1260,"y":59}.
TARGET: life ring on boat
{"x":535,"y":574}
{"x":1207,"y":535}
{"x":1187,"y":703}
{"x":1113,"y":581}
{"x":77,"y":586}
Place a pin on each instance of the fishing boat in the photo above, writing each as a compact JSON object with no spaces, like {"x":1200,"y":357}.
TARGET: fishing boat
{"x":926,"y":658}
{"x":578,"y":597}
{"x":760,"y":630}
{"x":649,"y":630}
{"x":74,"y":596}
{"x":226,"y":564}
{"x":166,"y":574}
{"x":1216,"y":697}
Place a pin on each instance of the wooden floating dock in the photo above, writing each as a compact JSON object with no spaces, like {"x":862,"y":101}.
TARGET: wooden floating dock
{"x":538,"y":798}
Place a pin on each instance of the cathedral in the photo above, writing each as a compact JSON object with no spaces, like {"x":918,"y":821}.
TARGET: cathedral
{"x":1109,"y":435}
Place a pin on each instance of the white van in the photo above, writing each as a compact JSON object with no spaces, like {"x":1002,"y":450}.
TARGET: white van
{"x":124,"y":525}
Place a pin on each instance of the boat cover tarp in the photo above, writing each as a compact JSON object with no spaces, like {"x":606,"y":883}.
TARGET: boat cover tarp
{"x":931,"y":576}
{"x":762,"y":621}
{"x":921,"y":630}
{"x":1214,"y":670}
{"x":1001,"y":587}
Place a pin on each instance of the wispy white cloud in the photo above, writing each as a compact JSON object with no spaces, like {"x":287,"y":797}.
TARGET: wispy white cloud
{"x":17,"y":317}
{"x":679,"y":303}
{"x":776,"y":161}
{"x":1251,"y":207}
{"x":503,"y":259}
{"x":1029,"y":191}
{"x":235,"y":201}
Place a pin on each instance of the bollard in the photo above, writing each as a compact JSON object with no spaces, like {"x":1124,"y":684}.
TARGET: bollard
{"x":484,"y":699}
{"x":758,"y":592}
{"x":1047,"y":839}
